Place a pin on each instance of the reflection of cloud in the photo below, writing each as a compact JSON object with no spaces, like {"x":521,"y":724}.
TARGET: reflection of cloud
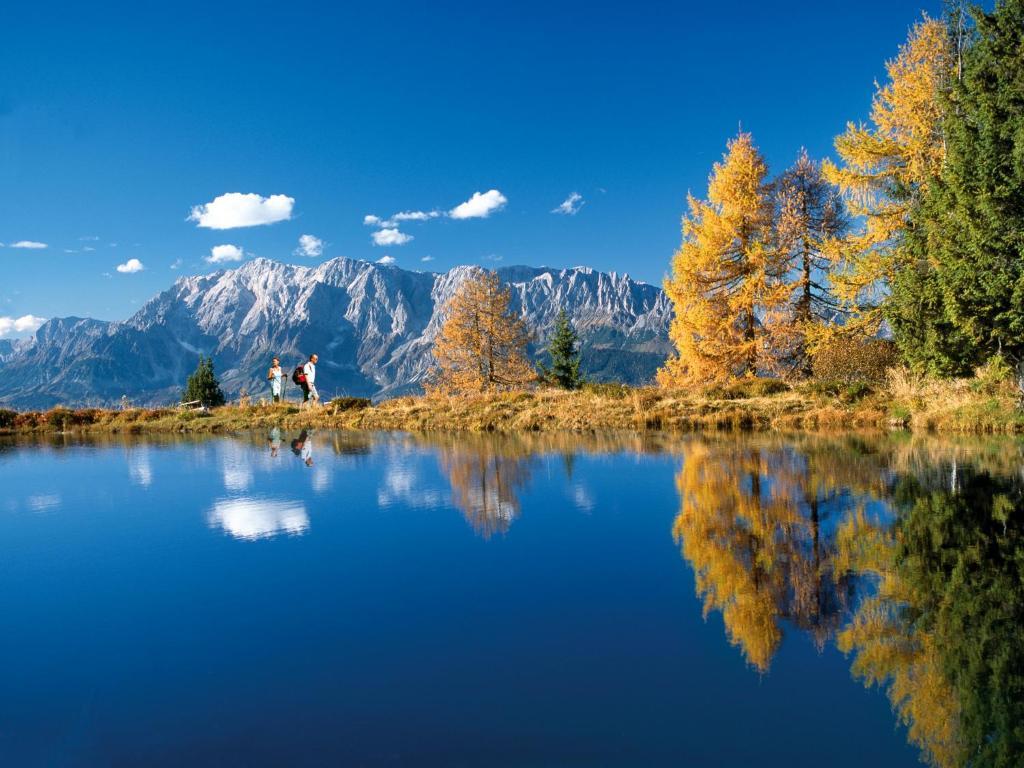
{"x":237,"y":477}
{"x":402,"y":485}
{"x":581,"y":498}
{"x":321,"y":479}
{"x":43,"y":502}
{"x":236,"y":466}
{"x":252,"y":519}
{"x":139,"y":468}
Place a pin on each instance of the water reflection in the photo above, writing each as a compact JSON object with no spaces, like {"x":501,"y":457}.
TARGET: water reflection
{"x":486,"y":477}
{"x":302,"y":446}
{"x":259,"y":518}
{"x":911,"y":562}
{"x":906,"y":554}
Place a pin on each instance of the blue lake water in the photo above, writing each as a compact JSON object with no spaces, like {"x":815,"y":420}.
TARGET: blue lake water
{"x":384,"y":600}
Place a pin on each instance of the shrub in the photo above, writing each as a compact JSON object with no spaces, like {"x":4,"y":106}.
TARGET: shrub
{"x":744,"y":388}
{"x":29,"y":420}
{"x":350,"y":403}
{"x":850,"y":360}
{"x":610,"y":389}
{"x":856,"y":391}
{"x":823,"y":388}
{"x":7,"y":418}
{"x":995,"y":376}
{"x":764,"y":387}
{"x":58,"y":418}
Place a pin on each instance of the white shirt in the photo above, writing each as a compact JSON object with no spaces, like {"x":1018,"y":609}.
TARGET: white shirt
{"x":310,"y":370}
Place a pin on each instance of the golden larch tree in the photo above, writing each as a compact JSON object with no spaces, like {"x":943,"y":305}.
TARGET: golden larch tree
{"x":885,"y":167}
{"x":726,"y":276}
{"x":482,"y":346}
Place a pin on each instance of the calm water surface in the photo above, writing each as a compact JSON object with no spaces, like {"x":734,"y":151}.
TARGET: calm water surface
{"x":378,"y":600}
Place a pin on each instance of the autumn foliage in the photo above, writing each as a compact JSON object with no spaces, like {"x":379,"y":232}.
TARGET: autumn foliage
{"x":727,"y":277}
{"x":482,"y":346}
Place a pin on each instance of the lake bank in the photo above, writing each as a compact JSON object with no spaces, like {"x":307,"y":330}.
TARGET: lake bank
{"x":961,"y":406}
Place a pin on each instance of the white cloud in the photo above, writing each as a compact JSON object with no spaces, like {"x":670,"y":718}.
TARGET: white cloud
{"x":390,"y":237}
{"x":130,"y":266}
{"x":479,"y":206}
{"x":493,"y":257}
{"x":386,"y":260}
{"x":89,"y":237}
{"x":176,"y":264}
{"x":236,"y":209}
{"x":23,"y":324}
{"x":310,"y":246}
{"x":31,"y":244}
{"x":222,"y":253}
{"x":372,"y":221}
{"x":415,"y":215}
{"x":427,"y":258}
{"x":70,"y":250}
{"x":571,"y":205}
{"x":88,"y":248}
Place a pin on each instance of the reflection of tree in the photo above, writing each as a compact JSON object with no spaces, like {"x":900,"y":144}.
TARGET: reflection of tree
{"x":486,"y":476}
{"x":751,"y":523}
{"x":944,"y":632}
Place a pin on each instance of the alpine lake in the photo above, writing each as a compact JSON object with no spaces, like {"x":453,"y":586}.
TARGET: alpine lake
{"x":335,"y":599}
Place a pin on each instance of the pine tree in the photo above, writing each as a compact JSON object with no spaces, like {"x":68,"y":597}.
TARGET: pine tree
{"x":202,"y":385}
{"x":726,"y":276}
{"x":482,"y":345}
{"x":885,"y":169}
{"x":811,"y":214}
{"x":565,"y":355}
{"x":970,"y":228}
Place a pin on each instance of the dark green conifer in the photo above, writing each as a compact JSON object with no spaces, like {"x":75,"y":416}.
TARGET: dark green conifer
{"x":964,"y":300}
{"x":203,"y":386}
{"x":565,"y":355}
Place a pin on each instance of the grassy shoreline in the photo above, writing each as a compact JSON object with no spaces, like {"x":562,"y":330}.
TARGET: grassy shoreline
{"x":961,"y":406}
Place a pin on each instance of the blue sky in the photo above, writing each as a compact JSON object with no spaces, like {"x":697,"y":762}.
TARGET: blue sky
{"x":117,"y":120}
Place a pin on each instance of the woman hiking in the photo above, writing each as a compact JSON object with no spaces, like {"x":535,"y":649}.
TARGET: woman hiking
{"x":276,"y":377}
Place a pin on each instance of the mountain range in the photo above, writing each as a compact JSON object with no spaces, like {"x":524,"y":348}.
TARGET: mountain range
{"x":372,"y":325}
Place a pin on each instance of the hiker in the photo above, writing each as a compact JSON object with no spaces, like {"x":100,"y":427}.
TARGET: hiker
{"x":276,"y":377}
{"x":275,"y":440}
{"x":309,"y":392}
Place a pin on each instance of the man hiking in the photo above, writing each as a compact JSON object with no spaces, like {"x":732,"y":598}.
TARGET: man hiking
{"x":276,"y":377}
{"x":309,"y":393}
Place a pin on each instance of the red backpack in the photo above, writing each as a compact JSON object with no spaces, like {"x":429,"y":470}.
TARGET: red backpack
{"x":299,"y":375}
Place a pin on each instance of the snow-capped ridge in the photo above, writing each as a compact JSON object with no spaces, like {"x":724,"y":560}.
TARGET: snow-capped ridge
{"x":373,"y":326}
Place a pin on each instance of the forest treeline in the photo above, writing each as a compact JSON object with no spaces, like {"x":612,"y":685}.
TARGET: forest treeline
{"x":907,"y":248}
{"x":916,"y":230}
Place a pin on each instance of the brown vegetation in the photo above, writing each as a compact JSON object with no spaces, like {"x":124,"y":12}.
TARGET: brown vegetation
{"x":984,"y":403}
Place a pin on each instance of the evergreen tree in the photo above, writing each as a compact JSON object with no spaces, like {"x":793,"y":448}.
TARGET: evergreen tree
{"x":482,"y":345}
{"x":969,"y":231}
{"x":727,"y":276}
{"x":203,"y":386}
{"x":565,"y":355}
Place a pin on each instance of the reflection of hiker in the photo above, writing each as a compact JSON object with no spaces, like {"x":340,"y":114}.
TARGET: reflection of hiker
{"x":275,"y":376}
{"x":275,"y":440}
{"x":302,"y":446}
{"x":305,"y":377}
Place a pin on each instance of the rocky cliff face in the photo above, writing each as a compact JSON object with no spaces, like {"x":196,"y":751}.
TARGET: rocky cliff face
{"x":372,"y":325}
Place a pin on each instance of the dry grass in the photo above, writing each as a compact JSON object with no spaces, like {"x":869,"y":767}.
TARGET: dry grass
{"x":985,"y":403}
